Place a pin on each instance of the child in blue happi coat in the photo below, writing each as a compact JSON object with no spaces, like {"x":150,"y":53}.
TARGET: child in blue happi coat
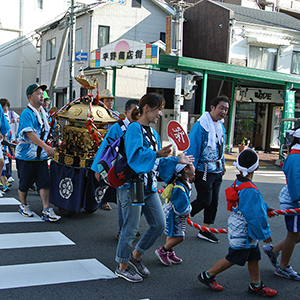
{"x":289,"y":198}
{"x":176,"y":210}
{"x":246,"y":226}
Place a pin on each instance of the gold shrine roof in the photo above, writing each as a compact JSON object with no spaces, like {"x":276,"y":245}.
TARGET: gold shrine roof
{"x":77,"y":112}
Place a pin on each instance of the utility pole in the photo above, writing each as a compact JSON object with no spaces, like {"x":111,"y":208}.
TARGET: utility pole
{"x":179,"y":7}
{"x":71,"y":49}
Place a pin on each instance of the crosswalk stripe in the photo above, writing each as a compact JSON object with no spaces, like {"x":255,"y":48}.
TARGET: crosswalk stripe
{"x":33,"y":239}
{"x":270,"y":172}
{"x":36,"y":274}
{"x":9,"y":201}
{"x":272,"y":175}
{"x":16,"y":217}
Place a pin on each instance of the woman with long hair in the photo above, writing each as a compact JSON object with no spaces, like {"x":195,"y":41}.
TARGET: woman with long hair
{"x":148,"y":160}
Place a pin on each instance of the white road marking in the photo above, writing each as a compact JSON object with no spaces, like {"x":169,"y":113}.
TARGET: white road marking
{"x":9,"y":201}
{"x":36,"y":274}
{"x":33,"y":239}
{"x":269,"y":172}
{"x":272,"y":175}
{"x":278,"y":174}
{"x":16,"y":217}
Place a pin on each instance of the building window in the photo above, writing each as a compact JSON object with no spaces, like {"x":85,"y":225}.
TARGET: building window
{"x":136,"y":3}
{"x":103,"y":36}
{"x":162,"y":36}
{"x":295,"y":69}
{"x":51,"y":49}
{"x":262,"y":58}
{"x":78,"y":40}
{"x":39,"y":4}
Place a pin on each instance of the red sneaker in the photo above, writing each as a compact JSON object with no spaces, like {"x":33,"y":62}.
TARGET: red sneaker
{"x":173,"y":258}
{"x":163,"y":256}
{"x":210,"y":282}
{"x":262,"y":290}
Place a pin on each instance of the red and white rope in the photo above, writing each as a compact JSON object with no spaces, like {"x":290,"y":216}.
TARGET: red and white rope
{"x":270,"y":214}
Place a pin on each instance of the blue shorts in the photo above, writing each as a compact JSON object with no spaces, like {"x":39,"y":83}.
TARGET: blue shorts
{"x":292,"y":223}
{"x":33,"y":171}
{"x":240,"y":257}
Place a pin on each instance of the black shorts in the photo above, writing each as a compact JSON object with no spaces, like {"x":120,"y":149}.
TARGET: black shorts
{"x":33,"y":171}
{"x":239,"y":257}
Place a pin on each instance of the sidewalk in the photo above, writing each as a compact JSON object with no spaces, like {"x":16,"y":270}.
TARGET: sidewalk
{"x":265,"y":159}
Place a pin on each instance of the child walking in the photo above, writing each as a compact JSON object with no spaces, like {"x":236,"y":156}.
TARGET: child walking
{"x":176,"y":210}
{"x":246,"y":226}
{"x":289,"y":198}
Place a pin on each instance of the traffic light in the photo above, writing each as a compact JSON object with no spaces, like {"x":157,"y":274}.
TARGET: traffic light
{"x":190,"y":85}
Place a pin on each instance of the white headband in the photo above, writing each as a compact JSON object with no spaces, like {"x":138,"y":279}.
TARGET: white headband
{"x":179,"y":168}
{"x":245,"y":170}
{"x":294,"y":133}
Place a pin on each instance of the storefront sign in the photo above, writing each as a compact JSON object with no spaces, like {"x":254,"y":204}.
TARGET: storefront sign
{"x":290,"y":105}
{"x":261,"y":95}
{"x":168,"y":34}
{"x":124,"y":52}
{"x":290,"y":109}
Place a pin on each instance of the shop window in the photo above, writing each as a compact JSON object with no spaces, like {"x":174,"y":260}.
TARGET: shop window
{"x":262,"y":58}
{"x":50,"y":49}
{"x":39,"y":4}
{"x":162,"y":36}
{"x":78,"y":40}
{"x":295,"y":69}
{"x":136,"y":3}
{"x":244,"y":123}
{"x":103,"y":36}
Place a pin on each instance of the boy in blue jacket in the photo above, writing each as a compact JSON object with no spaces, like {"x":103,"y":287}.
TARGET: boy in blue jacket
{"x":247,"y":225}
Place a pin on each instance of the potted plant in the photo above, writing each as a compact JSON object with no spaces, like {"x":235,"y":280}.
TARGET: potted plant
{"x":244,"y":143}
{"x":246,"y":130}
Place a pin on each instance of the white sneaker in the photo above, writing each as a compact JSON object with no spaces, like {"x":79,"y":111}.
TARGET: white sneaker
{"x":48,"y":214}
{"x":10,"y":180}
{"x":1,"y":194}
{"x":24,"y":210}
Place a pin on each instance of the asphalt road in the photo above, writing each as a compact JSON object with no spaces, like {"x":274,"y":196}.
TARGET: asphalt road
{"x":94,"y":237}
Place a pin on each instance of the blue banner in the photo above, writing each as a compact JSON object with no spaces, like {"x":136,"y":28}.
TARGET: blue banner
{"x":67,"y":186}
{"x":97,"y":193}
{"x":74,"y":188}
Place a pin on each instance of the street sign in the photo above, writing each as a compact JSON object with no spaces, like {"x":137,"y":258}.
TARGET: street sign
{"x":178,"y":136}
{"x":80,"y":56}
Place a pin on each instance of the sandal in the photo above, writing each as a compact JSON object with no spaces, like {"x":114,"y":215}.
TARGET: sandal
{"x":105,"y":206}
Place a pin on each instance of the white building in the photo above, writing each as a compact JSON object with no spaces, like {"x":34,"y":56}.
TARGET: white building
{"x":135,"y":20}
{"x":18,"y":50}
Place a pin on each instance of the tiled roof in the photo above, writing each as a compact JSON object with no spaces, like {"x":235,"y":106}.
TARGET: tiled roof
{"x":262,"y":17}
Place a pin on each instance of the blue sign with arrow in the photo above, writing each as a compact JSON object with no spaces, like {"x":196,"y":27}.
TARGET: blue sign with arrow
{"x":80,"y":56}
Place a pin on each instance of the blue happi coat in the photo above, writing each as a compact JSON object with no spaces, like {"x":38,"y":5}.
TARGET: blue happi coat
{"x":26,"y":149}
{"x":248,"y":223}
{"x":142,"y":159}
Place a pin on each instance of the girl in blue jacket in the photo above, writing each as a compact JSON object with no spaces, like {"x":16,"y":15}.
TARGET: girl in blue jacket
{"x":177,"y":208}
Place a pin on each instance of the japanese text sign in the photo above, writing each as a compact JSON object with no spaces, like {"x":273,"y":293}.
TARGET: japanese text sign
{"x":124,"y":52}
{"x":178,"y":136}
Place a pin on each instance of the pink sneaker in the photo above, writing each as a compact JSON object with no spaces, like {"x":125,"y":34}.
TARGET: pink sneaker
{"x":174,"y":259}
{"x":163,"y":257}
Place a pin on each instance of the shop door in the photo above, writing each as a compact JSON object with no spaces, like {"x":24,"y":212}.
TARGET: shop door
{"x":245,"y":123}
{"x":275,"y":127}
